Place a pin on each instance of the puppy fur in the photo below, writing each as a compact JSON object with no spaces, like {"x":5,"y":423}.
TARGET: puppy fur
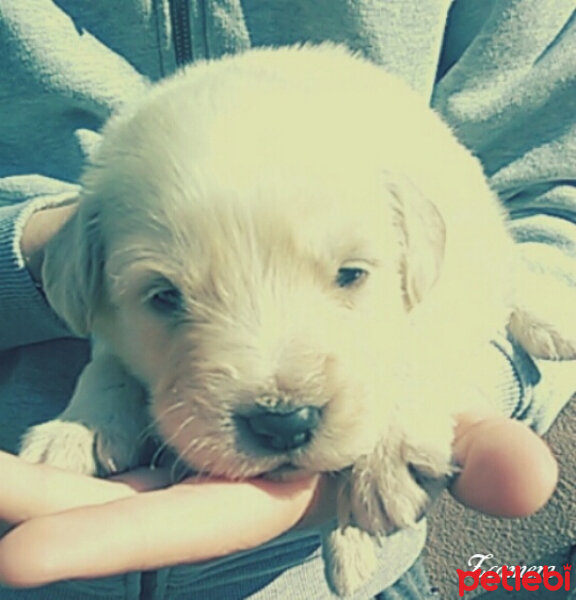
{"x":206,"y":258}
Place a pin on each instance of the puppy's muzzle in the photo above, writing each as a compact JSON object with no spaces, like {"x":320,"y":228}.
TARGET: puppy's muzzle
{"x":283,"y":430}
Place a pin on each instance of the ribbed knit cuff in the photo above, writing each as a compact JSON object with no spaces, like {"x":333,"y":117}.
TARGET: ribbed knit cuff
{"x":510,"y":377}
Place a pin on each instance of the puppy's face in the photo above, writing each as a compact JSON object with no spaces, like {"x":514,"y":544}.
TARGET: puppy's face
{"x":249,"y":268}
{"x":263,"y":321}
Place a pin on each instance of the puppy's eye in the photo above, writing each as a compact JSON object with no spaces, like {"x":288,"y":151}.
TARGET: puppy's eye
{"x":167,"y":301}
{"x":350,"y":276}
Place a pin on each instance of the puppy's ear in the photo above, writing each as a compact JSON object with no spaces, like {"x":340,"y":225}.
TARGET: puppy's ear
{"x":423,"y":238}
{"x":72,"y":269}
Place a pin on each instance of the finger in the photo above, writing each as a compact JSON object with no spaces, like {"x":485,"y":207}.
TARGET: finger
{"x":186,"y":523}
{"x":508,"y":471}
{"x":32,"y":490}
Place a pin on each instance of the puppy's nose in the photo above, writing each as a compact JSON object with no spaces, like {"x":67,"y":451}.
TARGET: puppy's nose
{"x":285,"y":431}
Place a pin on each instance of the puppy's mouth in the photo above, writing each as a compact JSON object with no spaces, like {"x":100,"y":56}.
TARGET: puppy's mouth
{"x":273,"y":442}
{"x":287,"y":472}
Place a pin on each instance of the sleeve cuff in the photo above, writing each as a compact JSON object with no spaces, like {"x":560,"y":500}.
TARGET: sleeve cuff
{"x":515,"y":377}
{"x":26,"y":316}
{"x":508,"y":377}
{"x":531,"y":391}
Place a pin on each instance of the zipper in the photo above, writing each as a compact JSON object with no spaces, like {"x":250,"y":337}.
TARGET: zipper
{"x":181,"y":32}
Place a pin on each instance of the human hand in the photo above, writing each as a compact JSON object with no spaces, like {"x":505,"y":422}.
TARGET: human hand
{"x":141,"y":522}
{"x":39,"y":229}
{"x":507,"y":470}
{"x":137,"y":521}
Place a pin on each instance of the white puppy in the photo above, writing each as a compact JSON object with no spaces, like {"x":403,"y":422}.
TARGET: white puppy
{"x":287,"y":262}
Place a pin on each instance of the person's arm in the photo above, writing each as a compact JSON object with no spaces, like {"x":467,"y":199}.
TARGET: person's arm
{"x":155,"y":526}
{"x":134,"y":522}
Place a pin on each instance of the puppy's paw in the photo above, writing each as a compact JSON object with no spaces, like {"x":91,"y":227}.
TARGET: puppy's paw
{"x":349,"y":559}
{"x":101,"y":430}
{"x":67,"y":445}
{"x":540,"y":339}
{"x":392,"y":487}
{"x":74,"y":446}
{"x":543,"y":324}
